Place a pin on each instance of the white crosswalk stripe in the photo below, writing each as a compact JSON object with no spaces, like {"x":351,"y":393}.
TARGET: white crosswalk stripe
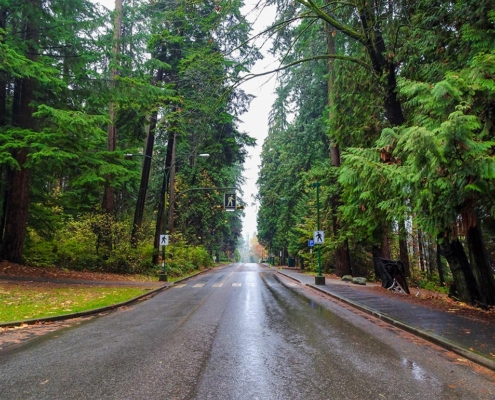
{"x":217,"y":285}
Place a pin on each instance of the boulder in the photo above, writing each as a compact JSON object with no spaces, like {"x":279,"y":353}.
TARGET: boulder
{"x":347,"y":278}
{"x":359,"y":281}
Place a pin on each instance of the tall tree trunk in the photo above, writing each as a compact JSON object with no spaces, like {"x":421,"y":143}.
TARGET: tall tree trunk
{"x":108,"y":197}
{"x":481,"y":266}
{"x":384,"y":67}
{"x":465,"y":284}
{"x":3,"y":76}
{"x":415,"y":250}
{"x":439,"y":265}
{"x":17,"y":202}
{"x":403,"y":252}
{"x":420,"y":250}
{"x":18,"y":195}
{"x":342,"y":259}
{"x":172,"y":144}
{"x":145,"y":174}
{"x":165,"y":213}
{"x":431,"y":258}
{"x":385,"y":245}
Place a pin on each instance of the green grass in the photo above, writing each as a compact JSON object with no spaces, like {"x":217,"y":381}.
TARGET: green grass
{"x":18,"y":303}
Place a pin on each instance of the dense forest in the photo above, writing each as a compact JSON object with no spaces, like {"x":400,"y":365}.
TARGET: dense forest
{"x":390,"y":107}
{"x":115,"y":128}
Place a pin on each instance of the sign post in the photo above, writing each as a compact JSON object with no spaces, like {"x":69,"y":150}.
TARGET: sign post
{"x":318,"y":235}
{"x":162,"y":276}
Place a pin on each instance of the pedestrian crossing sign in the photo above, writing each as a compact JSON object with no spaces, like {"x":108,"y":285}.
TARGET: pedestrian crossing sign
{"x":230,"y":201}
{"x":163,"y":240}
{"x":319,"y":237}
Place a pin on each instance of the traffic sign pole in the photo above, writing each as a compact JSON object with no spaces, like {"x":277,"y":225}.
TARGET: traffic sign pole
{"x":318,"y":223}
{"x":319,"y":279}
{"x":162,"y":276}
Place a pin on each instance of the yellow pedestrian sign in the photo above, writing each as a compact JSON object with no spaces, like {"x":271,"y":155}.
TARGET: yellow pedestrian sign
{"x":319,"y":237}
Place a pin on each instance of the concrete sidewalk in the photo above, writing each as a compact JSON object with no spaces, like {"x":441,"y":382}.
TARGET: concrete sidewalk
{"x":472,"y":339}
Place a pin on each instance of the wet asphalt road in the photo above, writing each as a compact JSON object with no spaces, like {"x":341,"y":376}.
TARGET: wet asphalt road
{"x":240,"y":332}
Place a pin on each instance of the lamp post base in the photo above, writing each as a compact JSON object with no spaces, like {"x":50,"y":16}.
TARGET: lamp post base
{"x":319,"y":280}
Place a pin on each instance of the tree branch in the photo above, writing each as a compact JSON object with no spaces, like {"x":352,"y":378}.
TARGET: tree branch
{"x":337,"y":25}
{"x":322,"y":57}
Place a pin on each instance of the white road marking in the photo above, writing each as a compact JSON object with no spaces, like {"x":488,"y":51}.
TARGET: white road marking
{"x":236,"y":284}
{"x":181,"y":285}
{"x":218,"y":284}
{"x":292,"y":284}
{"x":199,"y":284}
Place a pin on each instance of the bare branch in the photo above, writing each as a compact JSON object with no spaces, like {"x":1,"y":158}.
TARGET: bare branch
{"x":321,"y":57}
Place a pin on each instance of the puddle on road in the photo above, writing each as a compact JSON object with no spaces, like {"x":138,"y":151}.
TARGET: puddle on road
{"x":418,"y":373}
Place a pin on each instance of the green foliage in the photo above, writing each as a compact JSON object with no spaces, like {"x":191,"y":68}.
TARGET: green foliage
{"x":183,"y":259}
{"x":71,"y":71}
{"x":77,"y":245}
{"x":433,"y":283}
{"x":425,"y":164}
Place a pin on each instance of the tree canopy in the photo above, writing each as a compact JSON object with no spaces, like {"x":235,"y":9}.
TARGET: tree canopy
{"x":393,"y":115}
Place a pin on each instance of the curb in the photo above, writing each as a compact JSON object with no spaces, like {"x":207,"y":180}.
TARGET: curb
{"x":438,"y":340}
{"x":79,"y":314}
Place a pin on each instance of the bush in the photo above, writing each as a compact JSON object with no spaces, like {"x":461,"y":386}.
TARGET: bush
{"x":40,"y":253}
{"x":178,"y":269}
{"x":79,"y":245}
{"x":432,"y":283}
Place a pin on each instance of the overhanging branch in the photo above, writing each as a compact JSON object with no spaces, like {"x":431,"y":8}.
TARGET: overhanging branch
{"x":332,"y":21}
{"x":322,"y":57}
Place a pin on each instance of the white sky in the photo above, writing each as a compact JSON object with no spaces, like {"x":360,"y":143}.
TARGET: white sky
{"x":255,"y":121}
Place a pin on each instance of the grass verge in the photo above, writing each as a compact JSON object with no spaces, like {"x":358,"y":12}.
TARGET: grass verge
{"x":18,"y":303}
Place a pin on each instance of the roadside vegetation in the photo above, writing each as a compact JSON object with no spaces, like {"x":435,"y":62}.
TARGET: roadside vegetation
{"x":389,"y":106}
{"x":118,"y":126}
{"x":74,"y":246}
